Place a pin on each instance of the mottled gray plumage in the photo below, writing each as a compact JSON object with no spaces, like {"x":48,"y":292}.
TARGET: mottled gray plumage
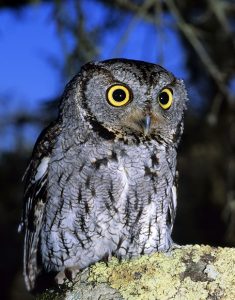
{"x":101,"y":180}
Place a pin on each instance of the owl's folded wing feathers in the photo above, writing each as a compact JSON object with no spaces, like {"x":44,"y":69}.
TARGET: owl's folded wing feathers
{"x":35,"y":197}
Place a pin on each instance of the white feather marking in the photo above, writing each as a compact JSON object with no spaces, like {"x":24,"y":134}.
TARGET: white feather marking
{"x":20,"y":227}
{"x":125,"y":183}
{"x":174,"y":196}
{"x":42,"y":168}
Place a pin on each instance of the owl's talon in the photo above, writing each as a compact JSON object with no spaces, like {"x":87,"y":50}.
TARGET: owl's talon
{"x":60,"y":278}
{"x":71,"y":272}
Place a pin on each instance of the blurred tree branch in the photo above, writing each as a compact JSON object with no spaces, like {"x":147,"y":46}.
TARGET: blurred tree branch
{"x":191,"y":34}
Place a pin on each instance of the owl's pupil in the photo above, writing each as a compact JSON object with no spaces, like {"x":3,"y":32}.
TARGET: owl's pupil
{"x":164,"y":98}
{"x":119,"y":95}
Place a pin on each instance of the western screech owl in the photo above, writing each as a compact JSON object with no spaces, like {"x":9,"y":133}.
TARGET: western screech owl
{"x":101,"y":180}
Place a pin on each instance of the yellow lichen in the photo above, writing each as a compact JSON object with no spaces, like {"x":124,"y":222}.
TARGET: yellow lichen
{"x":142,"y":278}
{"x":225,"y":265}
{"x":172,"y":275}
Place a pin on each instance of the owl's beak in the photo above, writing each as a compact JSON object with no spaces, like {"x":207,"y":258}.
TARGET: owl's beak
{"x":147,"y":124}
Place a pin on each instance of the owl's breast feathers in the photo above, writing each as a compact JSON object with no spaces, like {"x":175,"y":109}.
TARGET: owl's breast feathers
{"x":107,"y":198}
{"x":87,"y":201}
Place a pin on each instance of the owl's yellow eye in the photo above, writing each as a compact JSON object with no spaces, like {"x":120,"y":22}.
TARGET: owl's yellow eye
{"x":165,"y":98}
{"x":118,"y":95}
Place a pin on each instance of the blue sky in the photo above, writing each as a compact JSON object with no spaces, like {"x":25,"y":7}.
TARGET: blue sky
{"x":29,"y":42}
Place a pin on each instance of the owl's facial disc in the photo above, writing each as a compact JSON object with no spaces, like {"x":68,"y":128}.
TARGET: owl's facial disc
{"x":131,"y":100}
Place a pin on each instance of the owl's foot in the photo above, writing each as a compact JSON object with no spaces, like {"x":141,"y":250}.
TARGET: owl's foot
{"x":172,"y":247}
{"x":72,"y":272}
{"x":69,"y":273}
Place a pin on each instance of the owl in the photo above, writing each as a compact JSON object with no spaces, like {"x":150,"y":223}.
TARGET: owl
{"x":102,"y":178}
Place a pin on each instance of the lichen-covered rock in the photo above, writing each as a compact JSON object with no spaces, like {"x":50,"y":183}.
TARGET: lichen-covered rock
{"x":188,"y":273}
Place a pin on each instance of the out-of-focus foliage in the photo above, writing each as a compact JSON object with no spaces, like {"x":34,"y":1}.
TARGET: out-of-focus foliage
{"x":18,"y":4}
{"x":206,"y":29}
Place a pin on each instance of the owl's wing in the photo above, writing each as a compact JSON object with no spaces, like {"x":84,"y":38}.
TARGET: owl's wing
{"x":35,"y":197}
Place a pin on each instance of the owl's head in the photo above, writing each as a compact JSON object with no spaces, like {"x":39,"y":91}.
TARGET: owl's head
{"x":131,"y":100}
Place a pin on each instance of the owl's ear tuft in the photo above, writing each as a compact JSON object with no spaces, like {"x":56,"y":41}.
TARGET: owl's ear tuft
{"x":88,"y":66}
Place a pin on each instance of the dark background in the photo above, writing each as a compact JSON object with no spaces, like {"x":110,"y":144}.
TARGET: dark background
{"x":194,"y":40}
